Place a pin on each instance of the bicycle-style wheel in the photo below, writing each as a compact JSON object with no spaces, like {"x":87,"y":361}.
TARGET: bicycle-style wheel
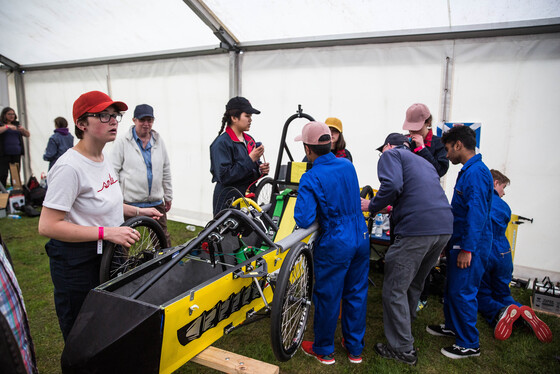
{"x":291,"y":302}
{"x":118,"y":260}
{"x":265,"y":190}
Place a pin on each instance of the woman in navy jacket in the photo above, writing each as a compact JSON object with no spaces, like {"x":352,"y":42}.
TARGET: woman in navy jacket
{"x":234,"y":155}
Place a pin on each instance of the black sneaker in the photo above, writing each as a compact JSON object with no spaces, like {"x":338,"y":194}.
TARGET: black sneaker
{"x":456,"y":352}
{"x":439,"y":330}
{"x":410,"y":358}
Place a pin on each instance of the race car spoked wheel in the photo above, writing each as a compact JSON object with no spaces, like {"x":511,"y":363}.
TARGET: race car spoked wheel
{"x":265,"y":190}
{"x":291,"y":302}
{"x":118,"y":260}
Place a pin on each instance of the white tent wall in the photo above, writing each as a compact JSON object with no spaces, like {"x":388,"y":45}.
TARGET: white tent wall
{"x":506,"y":83}
{"x":511,"y":85}
{"x":4,"y":97}
{"x":188,"y":96}
{"x":50,"y":94}
{"x":368,"y":87}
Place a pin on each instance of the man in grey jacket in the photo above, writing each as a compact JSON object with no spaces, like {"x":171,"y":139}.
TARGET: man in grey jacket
{"x":142,"y":166}
{"x":422,"y":223}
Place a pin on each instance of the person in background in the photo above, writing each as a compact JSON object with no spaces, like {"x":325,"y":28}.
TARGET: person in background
{"x":329,"y":193}
{"x":495,"y":302}
{"x":424,"y":143}
{"x":11,"y":142}
{"x":84,"y":206}
{"x":423,"y":224}
{"x":59,"y":142}
{"x":142,"y":167}
{"x":418,"y":122}
{"x":469,"y":246}
{"x":338,"y":143}
{"x":234,"y":156}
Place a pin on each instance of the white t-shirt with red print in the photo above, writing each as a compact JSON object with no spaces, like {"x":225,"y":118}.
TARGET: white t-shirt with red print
{"x":87,"y":190}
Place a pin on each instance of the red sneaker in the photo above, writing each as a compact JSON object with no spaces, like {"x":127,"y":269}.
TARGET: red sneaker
{"x":541,"y":330}
{"x":503,"y":328}
{"x":353,"y":359}
{"x":307,"y":348}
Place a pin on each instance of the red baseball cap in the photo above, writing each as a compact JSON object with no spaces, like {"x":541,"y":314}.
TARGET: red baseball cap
{"x":416,"y":115}
{"x":315,"y":133}
{"x":94,"y":102}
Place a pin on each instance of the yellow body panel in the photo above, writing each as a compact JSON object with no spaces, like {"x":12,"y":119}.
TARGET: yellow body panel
{"x":297,"y":170}
{"x":173,"y":353}
{"x":287,"y":223}
{"x":511,"y":233}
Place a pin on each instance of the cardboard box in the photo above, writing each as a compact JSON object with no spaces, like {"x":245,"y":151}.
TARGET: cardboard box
{"x":16,"y":180}
{"x":16,"y":202}
{"x":3,"y":204}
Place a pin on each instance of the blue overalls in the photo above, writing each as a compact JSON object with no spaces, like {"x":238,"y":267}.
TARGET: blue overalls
{"x":472,"y":232}
{"x":494,"y":293}
{"x":330,"y":193}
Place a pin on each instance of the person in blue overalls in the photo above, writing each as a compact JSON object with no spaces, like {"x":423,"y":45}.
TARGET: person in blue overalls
{"x":495,"y":302}
{"x":234,"y":155}
{"x":329,"y":193}
{"x":469,"y":246}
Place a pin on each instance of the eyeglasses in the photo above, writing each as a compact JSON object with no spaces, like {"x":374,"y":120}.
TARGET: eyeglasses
{"x":105,"y":117}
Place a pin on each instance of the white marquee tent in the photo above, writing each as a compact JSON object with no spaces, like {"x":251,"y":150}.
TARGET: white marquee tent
{"x":364,"y":61}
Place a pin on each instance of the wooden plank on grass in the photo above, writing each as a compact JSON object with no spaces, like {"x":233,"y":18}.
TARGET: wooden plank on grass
{"x":229,"y":362}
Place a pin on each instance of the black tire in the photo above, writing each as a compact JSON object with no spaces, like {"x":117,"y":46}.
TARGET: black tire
{"x":291,"y":302}
{"x":118,"y":260}
{"x":265,"y":191}
{"x":366,"y":192}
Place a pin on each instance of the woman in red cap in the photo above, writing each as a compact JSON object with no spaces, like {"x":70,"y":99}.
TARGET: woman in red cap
{"x":84,"y":206}
{"x":234,"y":156}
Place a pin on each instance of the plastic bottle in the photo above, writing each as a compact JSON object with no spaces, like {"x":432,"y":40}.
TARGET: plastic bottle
{"x":191,"y":228}
{"x":378,"y":227}
{"x":14,"y":216}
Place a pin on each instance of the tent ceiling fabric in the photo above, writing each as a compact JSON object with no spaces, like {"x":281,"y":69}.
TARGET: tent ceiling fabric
{"x":38,"y":32}
{"x":255,"y":20}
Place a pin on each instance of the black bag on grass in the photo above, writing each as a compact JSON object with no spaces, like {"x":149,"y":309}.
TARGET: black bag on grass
{"x":34,"y":193}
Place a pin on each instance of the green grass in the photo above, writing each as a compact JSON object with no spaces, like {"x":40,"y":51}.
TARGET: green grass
{"x":521,"y":353}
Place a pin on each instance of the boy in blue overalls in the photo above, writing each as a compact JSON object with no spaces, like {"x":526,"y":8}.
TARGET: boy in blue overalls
{"x":330,"y":194}
{"x":494,"y":296}
{"x":468,"y":249}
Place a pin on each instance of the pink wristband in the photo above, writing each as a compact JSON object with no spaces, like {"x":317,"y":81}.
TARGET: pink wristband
{"x":418,"y":149}
{"x":100,"y":234}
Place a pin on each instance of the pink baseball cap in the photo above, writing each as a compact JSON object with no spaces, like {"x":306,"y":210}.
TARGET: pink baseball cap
{"x":416,"y":116}
{"x":315,"y":133}
{"x":94,"y":102}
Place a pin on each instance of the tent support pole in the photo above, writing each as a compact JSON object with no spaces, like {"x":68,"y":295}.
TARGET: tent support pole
{"x":234,"y":74}
{"x":446,"y":92}
{"x":22,"y":107}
